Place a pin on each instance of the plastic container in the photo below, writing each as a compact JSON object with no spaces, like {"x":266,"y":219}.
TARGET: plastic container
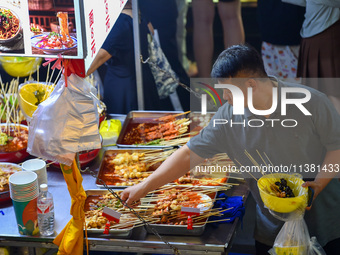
{"x":27,"y":99}
{"x":14,"y":156}
{"x":278,"y":204}
{"x":20,"y":66}
{"x":45,"y":209}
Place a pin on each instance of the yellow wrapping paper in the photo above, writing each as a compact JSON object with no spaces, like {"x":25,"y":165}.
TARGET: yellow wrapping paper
{"x":70,"y":239}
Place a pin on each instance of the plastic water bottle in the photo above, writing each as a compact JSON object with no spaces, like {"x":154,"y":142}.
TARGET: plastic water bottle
{"x":45,"y":211}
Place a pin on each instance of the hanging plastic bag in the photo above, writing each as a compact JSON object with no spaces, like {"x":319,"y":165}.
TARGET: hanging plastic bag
{"x":66,"y":122}
{"x":293,"y":239}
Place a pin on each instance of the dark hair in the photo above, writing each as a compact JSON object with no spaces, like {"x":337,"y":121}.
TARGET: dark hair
{"x":128,"y":4}
{"x":238,"y":58}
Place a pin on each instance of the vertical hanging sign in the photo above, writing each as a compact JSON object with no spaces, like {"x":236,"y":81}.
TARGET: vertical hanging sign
{"x":99,"y":16}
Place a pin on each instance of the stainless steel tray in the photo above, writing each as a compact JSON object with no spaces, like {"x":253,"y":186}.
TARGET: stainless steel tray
{"x":102,"y":165}
{"x":141,"y":117}
{"x":112,"y":232}
{"x":180,"y":230}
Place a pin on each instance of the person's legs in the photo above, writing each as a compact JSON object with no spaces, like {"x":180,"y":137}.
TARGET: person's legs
{"x":203,"y":15}
{"x":261,"y":249}
{"x":182,"y":7}
{"x":332,"y":247}
{"x":230,"y":15}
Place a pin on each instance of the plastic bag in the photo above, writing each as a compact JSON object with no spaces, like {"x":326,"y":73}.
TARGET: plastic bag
{"x":165,"y":78}
{"x":66,"y":122}
{"x":109,"y":130}
{"x":293,"y":239}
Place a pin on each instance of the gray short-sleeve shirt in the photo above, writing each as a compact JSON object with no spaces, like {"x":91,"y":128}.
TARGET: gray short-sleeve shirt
{"x":307,"y":143}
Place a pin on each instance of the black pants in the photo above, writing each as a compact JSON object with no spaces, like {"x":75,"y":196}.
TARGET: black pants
{"x":331,"y":248}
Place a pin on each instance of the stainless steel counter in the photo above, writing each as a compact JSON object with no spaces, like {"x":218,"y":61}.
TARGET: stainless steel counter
{"x":213,"y":241}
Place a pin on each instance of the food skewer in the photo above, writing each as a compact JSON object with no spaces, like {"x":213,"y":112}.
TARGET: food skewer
{"x":173,"y":116}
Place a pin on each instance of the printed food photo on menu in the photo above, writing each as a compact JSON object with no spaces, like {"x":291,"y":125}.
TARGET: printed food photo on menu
{"x":53,"y":27}
{"x":11,"y":32}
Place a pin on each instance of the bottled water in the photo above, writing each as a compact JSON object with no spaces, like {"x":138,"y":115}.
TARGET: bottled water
{"x":45,"y":211}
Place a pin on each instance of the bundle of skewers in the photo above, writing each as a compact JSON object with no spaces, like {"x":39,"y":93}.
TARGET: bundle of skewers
{"x":164,"y":205}
{"x":9,"y":108}
{"x":274,"y":184}
{"x":13,"y":136}
{"x":211,"y":172}
{"x":161,"y":131}
{"x":127,"y":168}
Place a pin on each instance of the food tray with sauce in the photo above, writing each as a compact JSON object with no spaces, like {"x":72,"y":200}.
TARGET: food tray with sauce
{"x":131,"y":167}
{"x":92,"y":196}
{"x":128,"y":140}
{"x":183,"y":230}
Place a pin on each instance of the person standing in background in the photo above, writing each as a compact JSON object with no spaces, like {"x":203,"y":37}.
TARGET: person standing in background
{"x":182,"y":9}
{"x":120,"y":90}
{"x":203,"y":15}
{"x":281,"y":38}
{"x":320,"y":46}
{"x":163,"y":16}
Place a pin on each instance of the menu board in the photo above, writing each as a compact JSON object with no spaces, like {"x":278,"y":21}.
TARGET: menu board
{"x":42,"y":28}
{"x":48,"y":28}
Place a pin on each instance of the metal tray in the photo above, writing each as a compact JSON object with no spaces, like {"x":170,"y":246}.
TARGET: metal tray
{"x":102,"y":165}
{"x":180,"y":230}
{"x":138,"y":117}
{"x":113,"y":232}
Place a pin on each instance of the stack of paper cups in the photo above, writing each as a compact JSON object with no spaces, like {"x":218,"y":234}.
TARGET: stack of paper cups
{"x":23,"y":187}
{"x":37,"y":166}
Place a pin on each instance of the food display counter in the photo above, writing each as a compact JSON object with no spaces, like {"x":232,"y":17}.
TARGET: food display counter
{"x":214,"y":240}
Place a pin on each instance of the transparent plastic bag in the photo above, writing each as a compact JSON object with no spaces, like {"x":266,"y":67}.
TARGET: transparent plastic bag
{"x":315,"y":248}
{"x":293,"y":239}
{"x":66,"y":122}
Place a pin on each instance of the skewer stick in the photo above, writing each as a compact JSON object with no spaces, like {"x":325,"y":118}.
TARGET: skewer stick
{"x":249,"y":172}
{"x":254,"y":161}
{"x":212,"y":221}
{"x":176,"y":115}
{"x":56,"y":80}
{"x":48,"y":72}
{"x":262,"y":158}
{"x":268,"y":159}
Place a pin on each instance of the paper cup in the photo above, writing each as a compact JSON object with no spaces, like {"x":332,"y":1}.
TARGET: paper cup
{"x":27,"y":217}
{"x":37,"y":166}
{"x":23,"y":186}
